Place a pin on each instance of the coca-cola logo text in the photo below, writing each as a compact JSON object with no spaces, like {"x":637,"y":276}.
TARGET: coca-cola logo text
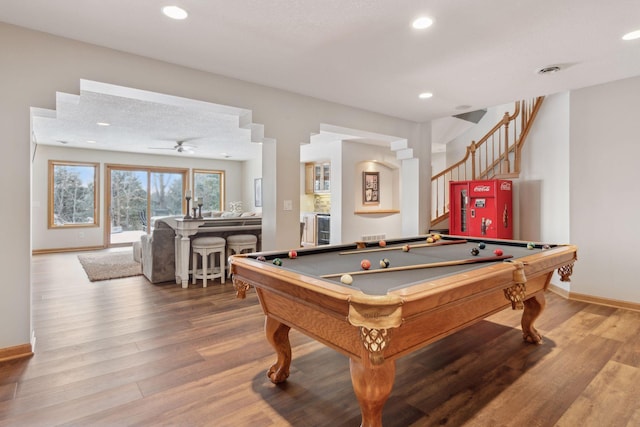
{"x":481,"y":188}
{"x":505,"y":186}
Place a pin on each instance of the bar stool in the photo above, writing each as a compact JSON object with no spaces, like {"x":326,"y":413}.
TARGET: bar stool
{"x":239,"y":243}
{"x":205,"y":246}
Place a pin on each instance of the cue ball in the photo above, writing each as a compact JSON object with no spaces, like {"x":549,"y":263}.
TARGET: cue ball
{"x":346,"y":279}
{"x":384,"y":263}
{"x":365,"y":264}
{"x":382,"y":243}
{"x":531,"y":245}
{"x":406,"y":248}
{"x":277,"y":261}
{"x":498,"y":252}
{"x":261,"y":258}
{"x":293,"y":254}
{"x":475,"y":251}
{"x":481,"y":245}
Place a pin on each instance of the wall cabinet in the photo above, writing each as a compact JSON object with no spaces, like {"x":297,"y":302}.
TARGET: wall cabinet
{"x":317,"y":178}
{"x":308,"y":178}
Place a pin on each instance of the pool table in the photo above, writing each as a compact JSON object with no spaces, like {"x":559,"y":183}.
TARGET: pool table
{"x":430,"y":289}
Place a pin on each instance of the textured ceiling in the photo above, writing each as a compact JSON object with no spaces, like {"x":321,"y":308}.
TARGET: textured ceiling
{"x":145,"y":122}
{"x":364,"y":53}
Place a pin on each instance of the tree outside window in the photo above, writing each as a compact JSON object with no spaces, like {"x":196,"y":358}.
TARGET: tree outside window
{"x":209,"y":185}
{"x":73,"y":194}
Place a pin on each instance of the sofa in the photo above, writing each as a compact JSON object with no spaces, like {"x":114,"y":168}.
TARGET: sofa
{"x":159,"y":251}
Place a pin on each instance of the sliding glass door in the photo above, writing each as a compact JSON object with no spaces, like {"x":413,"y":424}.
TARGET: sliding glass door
{"x":137,"y":196}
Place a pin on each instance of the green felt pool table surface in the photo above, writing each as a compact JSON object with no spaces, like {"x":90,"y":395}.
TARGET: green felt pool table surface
{"x":326,"y":260}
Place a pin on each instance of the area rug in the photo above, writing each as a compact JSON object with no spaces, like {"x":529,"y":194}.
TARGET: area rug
{"x":109,"y":265}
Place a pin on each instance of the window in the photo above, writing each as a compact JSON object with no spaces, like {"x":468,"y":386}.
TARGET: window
{"x":209,"y":185}
{"x":73,"y":194}
{"x":136,"y":196}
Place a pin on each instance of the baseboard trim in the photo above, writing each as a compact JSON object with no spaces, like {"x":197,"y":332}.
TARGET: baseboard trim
{"x":21,"y":351}
{"x":61,"y":250}
{"x":573,"y":296}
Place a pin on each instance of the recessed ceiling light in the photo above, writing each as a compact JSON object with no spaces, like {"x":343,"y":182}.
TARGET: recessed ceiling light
{"x":175,"y":12}
{"x":425,"y":95}
{"x":422,"y":23}
{"x":103,"y":124}
{"x":632,"y":35}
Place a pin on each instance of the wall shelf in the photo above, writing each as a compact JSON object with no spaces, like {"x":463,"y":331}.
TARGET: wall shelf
{"x":377,"y":212}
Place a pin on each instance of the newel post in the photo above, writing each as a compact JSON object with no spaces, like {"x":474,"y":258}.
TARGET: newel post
{"x":472,"y":149}
{"x":505,"y":161}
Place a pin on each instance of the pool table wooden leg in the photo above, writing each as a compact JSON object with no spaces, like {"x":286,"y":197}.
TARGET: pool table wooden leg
{"x":532,"y":309}
{"x":372,"y":385}
{"x":278,"y":336}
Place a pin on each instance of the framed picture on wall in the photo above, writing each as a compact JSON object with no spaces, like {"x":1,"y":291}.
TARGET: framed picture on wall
{"x":257,"y":190}
{"x":370,"y":188}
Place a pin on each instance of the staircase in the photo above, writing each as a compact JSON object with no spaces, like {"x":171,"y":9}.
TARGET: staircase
{"x":495,"y":155}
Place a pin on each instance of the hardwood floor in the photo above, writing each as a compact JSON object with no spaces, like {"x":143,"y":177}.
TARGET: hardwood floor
{"x":126,"y":352}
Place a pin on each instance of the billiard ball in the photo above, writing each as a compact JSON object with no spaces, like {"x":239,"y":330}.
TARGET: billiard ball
{"x":261,"y":258}
{"x":498,"y":252}
{"x":475,"y":251}
{"x":531,"y":245}
{"x":382,"y":243}
{"x":346,"y":279}
{"x":545,"y":247}
{"x":406,"y":248}
{"x":437,"y":237}
{"x":277,"y":261}
{"x":293,"y":254}
{"x":365,"y":264}
{"x":430,"y":239}
{"x":481,"y":245}
{"x":384,"y":263}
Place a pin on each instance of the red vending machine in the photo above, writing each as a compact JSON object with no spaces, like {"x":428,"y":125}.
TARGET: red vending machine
{"x":481,"y":208}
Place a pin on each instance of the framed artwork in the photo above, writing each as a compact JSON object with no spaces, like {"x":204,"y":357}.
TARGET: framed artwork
{"x":370,"y":188}
{"x":257,"y":190}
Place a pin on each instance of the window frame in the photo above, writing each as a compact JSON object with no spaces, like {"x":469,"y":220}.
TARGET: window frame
{"x":210,"y":172}
{"x":51,"y":223}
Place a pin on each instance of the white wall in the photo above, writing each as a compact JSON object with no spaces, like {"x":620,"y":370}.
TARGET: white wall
{"x":542,"y":193}
{"x":35,"y":66}
{"x":604,"y":198}
{"x":544,"y":182}
{"x":45,"y":238}
{"x":357,"y":158}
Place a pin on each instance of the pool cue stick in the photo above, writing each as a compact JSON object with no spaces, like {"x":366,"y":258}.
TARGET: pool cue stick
{"x":420,"y":266}
{"x":395,"y":248}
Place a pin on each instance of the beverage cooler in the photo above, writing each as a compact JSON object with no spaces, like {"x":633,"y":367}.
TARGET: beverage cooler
{"x":481,"y":208}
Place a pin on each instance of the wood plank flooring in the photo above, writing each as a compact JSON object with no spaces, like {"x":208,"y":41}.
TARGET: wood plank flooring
{"x":126,"y":352}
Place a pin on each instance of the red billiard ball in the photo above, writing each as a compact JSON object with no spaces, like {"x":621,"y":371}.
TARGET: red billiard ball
{"x":365,"y":264}
{"x":382,"y":243}
{"x":293,"y":254}
{"x":498,"y":252}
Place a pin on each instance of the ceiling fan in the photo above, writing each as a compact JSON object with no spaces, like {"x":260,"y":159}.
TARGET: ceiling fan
{"x":180,"y":146}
